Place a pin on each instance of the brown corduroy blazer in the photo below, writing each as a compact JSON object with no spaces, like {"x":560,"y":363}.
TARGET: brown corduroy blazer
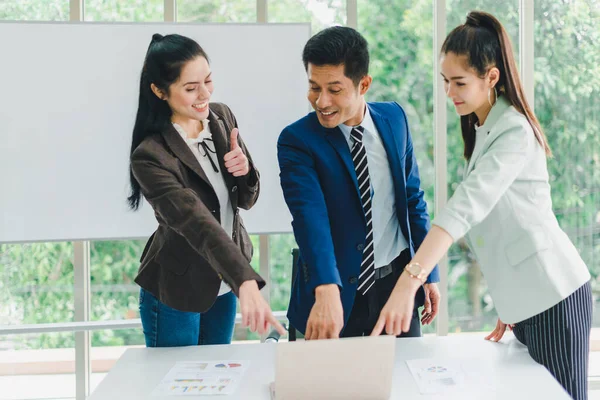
{"x":185,"y":260}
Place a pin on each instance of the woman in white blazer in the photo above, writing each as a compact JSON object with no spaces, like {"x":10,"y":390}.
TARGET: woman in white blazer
{"x":539,"y":283}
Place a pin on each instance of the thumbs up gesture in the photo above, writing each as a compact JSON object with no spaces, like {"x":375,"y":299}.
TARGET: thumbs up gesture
{"x":236,"y":161}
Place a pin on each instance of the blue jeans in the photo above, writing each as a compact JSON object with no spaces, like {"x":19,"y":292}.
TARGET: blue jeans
{"x":167,"y":327}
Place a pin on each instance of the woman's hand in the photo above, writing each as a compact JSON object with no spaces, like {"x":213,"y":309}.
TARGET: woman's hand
{"x":256,"y":313}
{"x":497,"y":334}
{"x":397,"y":313}
{"x":432,"y":303}
{"x":236,"y":161}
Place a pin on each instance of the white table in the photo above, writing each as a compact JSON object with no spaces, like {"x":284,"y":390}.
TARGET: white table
{"x":516,"y":375}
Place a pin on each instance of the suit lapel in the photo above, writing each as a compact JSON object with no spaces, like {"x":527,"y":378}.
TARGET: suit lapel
{"x":389,"y":141}
{"x":221,"y":140}
{"x":393,"y":151}
{"x":338,"y":141}
{"x":494,"y":115}
{"x":182,"y":151}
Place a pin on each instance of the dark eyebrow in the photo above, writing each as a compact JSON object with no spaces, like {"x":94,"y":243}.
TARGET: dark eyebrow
{"x":195,"y":82}
{"x":454,"y":78}
{"x":329,"y":83}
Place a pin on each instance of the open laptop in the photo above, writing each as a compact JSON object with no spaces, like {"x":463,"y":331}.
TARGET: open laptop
{"x":352,"y":368}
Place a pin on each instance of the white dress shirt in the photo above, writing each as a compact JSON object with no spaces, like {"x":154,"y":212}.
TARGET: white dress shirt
{"x":215,"y":178}
{"x":388,"y":240}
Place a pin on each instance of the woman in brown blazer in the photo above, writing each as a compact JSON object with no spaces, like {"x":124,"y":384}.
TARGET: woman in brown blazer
{"x":190,"y":164}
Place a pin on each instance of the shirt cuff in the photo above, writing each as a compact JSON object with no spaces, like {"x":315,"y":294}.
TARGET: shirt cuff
{"x":449,"y":221}
{"x":251,"y":179}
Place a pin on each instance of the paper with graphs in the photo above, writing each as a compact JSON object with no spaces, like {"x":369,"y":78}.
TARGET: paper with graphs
{"x":202,"y":378}
{"x":447,"y":376}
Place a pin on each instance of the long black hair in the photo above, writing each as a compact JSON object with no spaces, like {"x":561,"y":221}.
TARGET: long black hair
{"x":485,"y":43}
{"x":164,"y":60}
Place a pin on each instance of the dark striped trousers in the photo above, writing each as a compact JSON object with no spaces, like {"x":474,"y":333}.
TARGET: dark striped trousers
{"x":559,"y":339}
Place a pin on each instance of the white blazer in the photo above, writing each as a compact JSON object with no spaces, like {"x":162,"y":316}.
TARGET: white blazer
{"x":504,"y":208}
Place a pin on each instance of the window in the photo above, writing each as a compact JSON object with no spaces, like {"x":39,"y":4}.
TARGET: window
{"x":400,"y":37}
{"x":320,"y":13}
{"x":119,"y":10}
{"x":216,"y":11}
{"x":36,"y":286}
{"x":114,"y":265}
{"x":33,"y":10}
{"x":566,"y":103}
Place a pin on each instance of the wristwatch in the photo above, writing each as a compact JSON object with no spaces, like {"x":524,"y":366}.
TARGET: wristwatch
{"x":415,"y":270}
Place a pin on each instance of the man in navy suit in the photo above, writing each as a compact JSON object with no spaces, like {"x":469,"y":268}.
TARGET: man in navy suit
{"x":351,"y":182}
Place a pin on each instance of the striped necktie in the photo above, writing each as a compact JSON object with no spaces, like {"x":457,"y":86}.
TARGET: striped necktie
{"x":359,"y":158}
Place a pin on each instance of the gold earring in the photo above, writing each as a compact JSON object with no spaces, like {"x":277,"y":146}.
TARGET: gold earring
{"x":495,"y":96}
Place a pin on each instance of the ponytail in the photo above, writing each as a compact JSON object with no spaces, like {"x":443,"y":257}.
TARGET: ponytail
{"x":485,"y":43}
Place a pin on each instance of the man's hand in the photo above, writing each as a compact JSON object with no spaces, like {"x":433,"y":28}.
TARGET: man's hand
{"x":432,"y":303}
{"x":326,"y":318}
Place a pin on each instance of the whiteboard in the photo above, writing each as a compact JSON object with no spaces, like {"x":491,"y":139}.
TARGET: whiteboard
{"x":67,"y":109}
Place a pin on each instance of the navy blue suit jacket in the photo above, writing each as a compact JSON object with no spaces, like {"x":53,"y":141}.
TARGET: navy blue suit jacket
{"x":320,"y":188}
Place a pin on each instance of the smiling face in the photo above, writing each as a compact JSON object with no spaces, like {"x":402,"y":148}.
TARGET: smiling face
{"x":467,"y":90}
{"x":334,"y":96}
{"x":189,"y":95}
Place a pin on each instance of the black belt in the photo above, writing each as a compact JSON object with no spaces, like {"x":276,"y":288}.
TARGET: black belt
{"x":397,"y":262}
{"x":384,"y":271}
